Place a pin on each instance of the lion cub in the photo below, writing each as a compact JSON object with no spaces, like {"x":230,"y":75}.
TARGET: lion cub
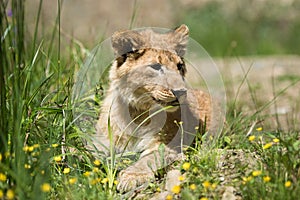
{"x":148,"y":103}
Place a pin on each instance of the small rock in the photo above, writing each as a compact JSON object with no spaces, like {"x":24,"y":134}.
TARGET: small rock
{"x":172,"y":179}
{"x":229,"y":193}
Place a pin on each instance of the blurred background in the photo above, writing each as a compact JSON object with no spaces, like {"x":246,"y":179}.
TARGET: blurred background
{"x":224,"y":28}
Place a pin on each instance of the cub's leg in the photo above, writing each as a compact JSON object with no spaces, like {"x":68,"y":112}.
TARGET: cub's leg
{"x":144,"y":169}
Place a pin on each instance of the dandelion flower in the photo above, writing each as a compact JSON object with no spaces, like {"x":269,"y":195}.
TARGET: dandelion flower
{"x":186,"y":166}
{"x":0,"y":157}
{"x":27,"y":166}
{"x":193,"y":187}
{"x":105,"y":180}
{"x":2,"y":177}
{"x":251,"y":138}
{"x":25,"y":148}
{"x":1,"y":194}
{"x":288,"y":184}
{"x":66,"y":170}
{"x":46,"y":187}
{"x":267,"y":179}
{"x":249,"y":178}
{"x":54,"y":145}
{"x":116,"y":182}
{"x":96,"y":169}
{"x":181,"y":178}
{"x":72,"y":181}
{"x":256,"y":173}
{"x":169,"y":197}
{"x":206,"y":184}
{"x":57,"y":158}
{"x":95,"y":181}
{"x":30,"y":148}
{"x":87,"y":173}
{"x":203,"y":198}
{"x":276,"y":140}
{"x":97,"y":162}
{"x":36,"y":146}
{"x":176,"y":189}
{"x":10,"y":194}
{"x":158,"y":189}
{"x":259,"y":129}
{"x":214,"y":186}
{"x":268,"y":145}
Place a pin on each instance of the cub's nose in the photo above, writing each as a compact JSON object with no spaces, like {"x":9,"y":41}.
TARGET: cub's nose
{"x":179,"y":93}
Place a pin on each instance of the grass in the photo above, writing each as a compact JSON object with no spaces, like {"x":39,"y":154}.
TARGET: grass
{"x":42,"y":155}
{"x":249,"y":28}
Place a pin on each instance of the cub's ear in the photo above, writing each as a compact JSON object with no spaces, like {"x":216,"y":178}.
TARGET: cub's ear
{"x":180,"y":37}
{"x":126,"y":41}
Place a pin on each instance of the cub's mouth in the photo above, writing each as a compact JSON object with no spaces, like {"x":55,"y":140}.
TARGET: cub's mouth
{"x":168,"y":97}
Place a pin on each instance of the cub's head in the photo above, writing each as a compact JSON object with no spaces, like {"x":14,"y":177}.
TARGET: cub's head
{"x":149,"y":68}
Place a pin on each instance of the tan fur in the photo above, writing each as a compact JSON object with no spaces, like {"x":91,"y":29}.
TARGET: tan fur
{"x":147,"y":75}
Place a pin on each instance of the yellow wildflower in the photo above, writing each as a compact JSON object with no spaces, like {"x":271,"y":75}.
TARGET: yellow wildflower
{"x":288,"y":184}
{"x":259,"y":129}
{"x":57,"y":158}
{"x":30,"y":148}
{"x":25,"y":148}
{"x":36,"y":146}
{"x":251,"y":138}
{"x":86,"y":174}
{"x":158,"y":189}
{"x":54,"y":145}
{"x":169,"y":197}
{"x":10,"y":194}
{"x":206,"y":184}
{"x":95,"y":169}
{"x":276,"y":140}
{"x":256,"y":173}
{"x":1,"y":194}
{"x":116,"y":182}
{"x":46,"y":187}
{"x":181,"y":178}
{"x":72,"y":181}
{"x":43,"y":172}
{"x":193,"y":187}
{"x":27,"y":166}
{"x":214,"y":186}
{"x":249,"y":178}
{"x":176,"y":189}
{"x":2,"y":177}
{"x":268,"y":145}
{"x":267,"y":179}
{"x":186,"y":166}
{"x":97,"y":162}
{"x":105,"y":180}
{"x":66,"y":170}
{"x":95,"y":181}
{"x":203,"y":198}
{"x":0,"y":157}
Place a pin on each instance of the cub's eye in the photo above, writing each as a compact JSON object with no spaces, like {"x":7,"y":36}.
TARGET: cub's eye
{"x":180,"y":66}
{"x":156,"y":66}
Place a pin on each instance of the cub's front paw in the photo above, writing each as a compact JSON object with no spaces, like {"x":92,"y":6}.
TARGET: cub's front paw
{"x":130,"y":179}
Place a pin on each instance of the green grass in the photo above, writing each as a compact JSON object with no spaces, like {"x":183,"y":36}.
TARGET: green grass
{"x":247,"y":28}
{"x":41,"y":151}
